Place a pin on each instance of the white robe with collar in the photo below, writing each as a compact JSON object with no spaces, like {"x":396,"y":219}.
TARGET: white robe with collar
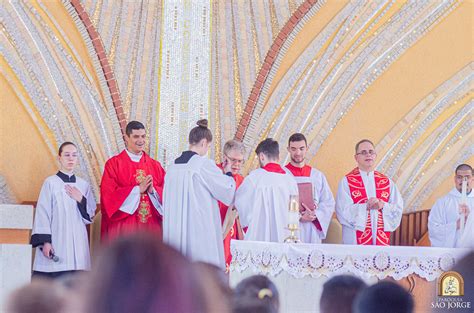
{"x":353,"y":217}
{"x":323,"y":197}
{"x":191,"y":216}
{"x":262,"y":202}
{"x":57,"y":214}
{"x":443,"y":219}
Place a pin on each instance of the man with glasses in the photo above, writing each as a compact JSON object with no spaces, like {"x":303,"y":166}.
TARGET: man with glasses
{"x":234,"y":155}
{"x":368,"y":205}
{"x":314,"y":221}
{"x":444,"y":222}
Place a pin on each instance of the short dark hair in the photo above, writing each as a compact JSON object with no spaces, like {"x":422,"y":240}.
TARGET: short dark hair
{"x":256,"y":294}
{"x":339,"y":293}
{"x":297,"y":137}
{"x":463,"y":167}
{"x":66,"y":143}
{"x":133,"y":125}
{"x":200,"y":132}
{"x":269,"y":147}
{"x":384,"y":296}
{"x":361,"y":142}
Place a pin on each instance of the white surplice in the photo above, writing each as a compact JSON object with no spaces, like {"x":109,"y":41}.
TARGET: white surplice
{"x":262,"y":202}
{"x":324,"y":200}
{"x":57,"y":214}
{"x":191,"y":216}
{"x":354,"y":216}
{"x":443,"y":219}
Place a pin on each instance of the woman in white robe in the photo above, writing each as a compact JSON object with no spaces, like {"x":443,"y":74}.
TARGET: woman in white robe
{"x":193,"y":185}
{"x":65,"y":206}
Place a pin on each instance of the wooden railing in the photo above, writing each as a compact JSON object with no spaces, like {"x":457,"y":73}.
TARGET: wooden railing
{"x":413,"y":230}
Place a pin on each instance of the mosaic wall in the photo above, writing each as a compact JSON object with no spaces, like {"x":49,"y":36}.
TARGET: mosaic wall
{"x":254,"y":68}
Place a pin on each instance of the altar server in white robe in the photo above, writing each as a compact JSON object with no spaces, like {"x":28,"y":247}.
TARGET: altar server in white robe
{"x":368,"y":204}
{"x":263,"y":199}
{"x":193,"y":186}
{"x":444,"y":222}
{"x":65,"y":206}
{"x":314,"y":221}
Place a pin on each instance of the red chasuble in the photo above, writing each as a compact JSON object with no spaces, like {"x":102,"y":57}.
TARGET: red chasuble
{"x":304,"y":171}
{"x":359,"y":196}
{"x":233,"y":233}
{"x":121,"y":174}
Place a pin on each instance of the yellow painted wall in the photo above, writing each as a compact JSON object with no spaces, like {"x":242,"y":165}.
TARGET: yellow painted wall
{"x":433,"y":59}
{"x":25,"y":160}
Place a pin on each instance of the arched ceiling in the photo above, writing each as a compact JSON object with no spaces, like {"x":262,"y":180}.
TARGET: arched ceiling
{"x":397,"y":72}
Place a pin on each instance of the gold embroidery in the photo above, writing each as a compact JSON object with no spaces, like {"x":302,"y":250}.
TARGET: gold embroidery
{"x":140,"y":176}
{"x":143,"y":210}
{"x":356,"y":194}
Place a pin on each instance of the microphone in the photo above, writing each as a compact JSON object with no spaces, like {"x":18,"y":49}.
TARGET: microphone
{"x":53,"y":256}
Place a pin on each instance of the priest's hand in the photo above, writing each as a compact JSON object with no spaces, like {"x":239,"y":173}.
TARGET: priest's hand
{"x":47,"y":250}
{"x":227,"y":165}
{"x":150,"y":189}
{"x":74,"y":193}
{"x":145,"y":184}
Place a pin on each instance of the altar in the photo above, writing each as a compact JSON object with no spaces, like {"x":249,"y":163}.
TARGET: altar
{"x":300,"y":270}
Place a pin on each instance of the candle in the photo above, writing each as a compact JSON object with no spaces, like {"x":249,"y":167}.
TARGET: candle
{"x":293,"y":212}
{"x":463,"y":201}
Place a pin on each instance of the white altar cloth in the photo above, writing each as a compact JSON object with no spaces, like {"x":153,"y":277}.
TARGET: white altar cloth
{"x":300,"y":270}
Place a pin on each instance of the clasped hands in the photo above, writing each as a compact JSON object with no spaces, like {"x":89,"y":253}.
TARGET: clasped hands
{"x":147,"y":185}
{"x":374,"y":204}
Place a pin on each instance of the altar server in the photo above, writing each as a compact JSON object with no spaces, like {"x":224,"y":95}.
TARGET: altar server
{"x":65,"y":206}
{"x":315,"y":220}
{"x":193,"y":186}
{"x":263,"y":199}
{"x":368,"y":204}
{"x":444,"y":222}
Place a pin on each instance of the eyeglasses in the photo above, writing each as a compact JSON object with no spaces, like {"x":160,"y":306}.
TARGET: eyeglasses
{"x":234,"y":161}
{"x":365,"y":152}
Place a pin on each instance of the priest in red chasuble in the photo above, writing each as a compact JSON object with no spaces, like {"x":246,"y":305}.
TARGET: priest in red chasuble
{"x":234,"y":155}
{"x":131,"y":188}
{"x":368,"y":205}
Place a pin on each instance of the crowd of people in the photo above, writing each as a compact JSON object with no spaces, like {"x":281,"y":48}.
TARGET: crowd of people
{"x":198,"y":206}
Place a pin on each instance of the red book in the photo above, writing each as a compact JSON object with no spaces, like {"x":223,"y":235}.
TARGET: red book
{"x":305,"y":191}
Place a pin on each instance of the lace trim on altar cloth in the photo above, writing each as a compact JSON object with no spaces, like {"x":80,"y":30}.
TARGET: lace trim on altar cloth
{"x":300,"y":260}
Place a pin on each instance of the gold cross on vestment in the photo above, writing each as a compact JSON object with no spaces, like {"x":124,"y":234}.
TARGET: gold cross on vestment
{"x":143,"y":211}
{"x":140,"y":176}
